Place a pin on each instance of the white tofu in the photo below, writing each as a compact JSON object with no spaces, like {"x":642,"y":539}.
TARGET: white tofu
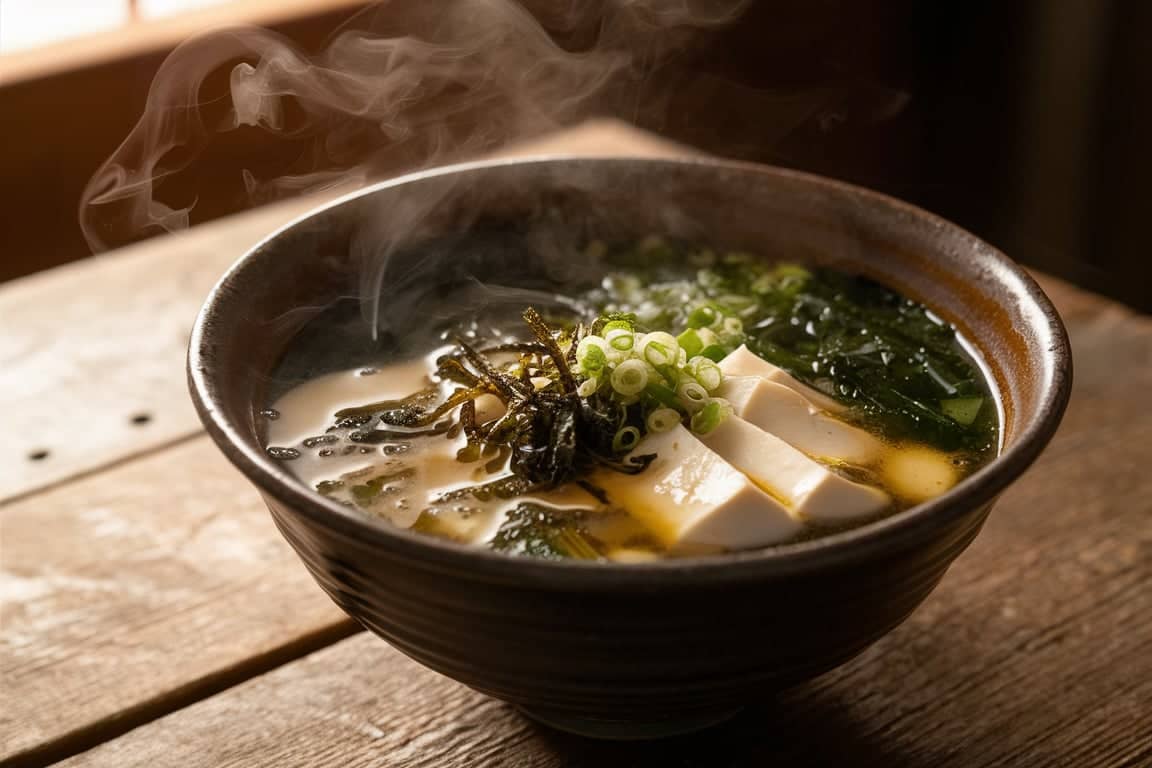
{"x":787,"y":414}
{"x":744,"y":362}
{"x":692,"y":500}
{"x":807,"y":488}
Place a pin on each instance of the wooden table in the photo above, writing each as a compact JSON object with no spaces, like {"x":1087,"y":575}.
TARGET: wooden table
{"x":152,"y":616}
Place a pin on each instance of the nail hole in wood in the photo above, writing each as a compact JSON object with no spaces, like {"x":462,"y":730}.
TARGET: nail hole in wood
{"x":140,"y":419}
{"x":38,"y":455}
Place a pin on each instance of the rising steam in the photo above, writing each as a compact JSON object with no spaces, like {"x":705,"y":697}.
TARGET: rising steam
{"x":402,"y":85}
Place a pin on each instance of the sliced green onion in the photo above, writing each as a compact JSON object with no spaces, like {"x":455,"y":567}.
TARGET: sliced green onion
{"x":659,"y":348}
{"x":692,"y":395}
{"x":588,"y":387}
{"x":706,"y":372}
{"x":690,"y":342}
{"x":590,"y":354}
{"x":625,"y":440}
{"x":714,"y":352}
{"x":620,"y":339}
{"x":663,"y":419}
{"x":630,"y":377}
{"x":662,"y":394}
{"x":794,"y":271}
{"x":710,"y":416}
{"x":702,"y":317}
{"x":708,"y":337}
{"x":732,"y":326}
{"x":616,"y":325}
{"x":763,"y":284}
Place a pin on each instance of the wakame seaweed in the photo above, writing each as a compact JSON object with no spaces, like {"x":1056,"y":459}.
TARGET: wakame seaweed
{"x":539,"y":531}
{"x":899,"y":366}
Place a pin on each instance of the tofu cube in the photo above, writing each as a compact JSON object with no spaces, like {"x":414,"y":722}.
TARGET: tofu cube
{"x":693,"y":501}
{"x":744,"y":362}
{"x":808,"y":489}
{"x":787,"y":414}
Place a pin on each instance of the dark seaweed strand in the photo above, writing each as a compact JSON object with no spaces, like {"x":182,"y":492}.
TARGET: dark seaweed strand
{"x":578,"y":333}
{"x":451,"y":369}
{"x":544,"y":336}
{"x":508,"y":386}
{"x":520,"y":347}
{"x":414,"y":400}
{"x":547,"y":437}
{"x":468,"y":420}
{"x":458,"y":397}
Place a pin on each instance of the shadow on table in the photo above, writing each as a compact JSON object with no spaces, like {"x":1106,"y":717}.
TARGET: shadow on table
{"x":797,"y":730}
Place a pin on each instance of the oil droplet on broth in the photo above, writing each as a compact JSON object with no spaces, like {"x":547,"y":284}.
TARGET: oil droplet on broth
{"x":283,"y":454}
{"x":308,"y":410}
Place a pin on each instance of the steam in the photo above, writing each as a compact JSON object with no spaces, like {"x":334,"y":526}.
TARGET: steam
{"x":400,"y":86}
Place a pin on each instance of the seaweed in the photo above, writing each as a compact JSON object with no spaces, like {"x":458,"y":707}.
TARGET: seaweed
{"x":538,"y":531}
{"x":899,"y":367}
{"x":549,"y":434}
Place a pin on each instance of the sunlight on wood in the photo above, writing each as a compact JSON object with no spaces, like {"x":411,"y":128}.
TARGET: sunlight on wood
{"x":151,"y":9}
{"x":29,"y":23}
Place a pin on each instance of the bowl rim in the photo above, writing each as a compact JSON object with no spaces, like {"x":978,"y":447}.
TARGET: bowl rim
{"x":904,"y":529}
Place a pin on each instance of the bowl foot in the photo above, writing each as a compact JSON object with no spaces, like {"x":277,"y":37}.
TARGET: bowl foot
{"x":628,"y":730}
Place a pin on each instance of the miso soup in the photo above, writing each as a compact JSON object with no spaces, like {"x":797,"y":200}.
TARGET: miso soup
{"x":681,"y":402}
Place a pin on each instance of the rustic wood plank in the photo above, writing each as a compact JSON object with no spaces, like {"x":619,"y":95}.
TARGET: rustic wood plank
{"x":90,"y":346}
{"x":151,"y":581}
{"x":1035,"y":651}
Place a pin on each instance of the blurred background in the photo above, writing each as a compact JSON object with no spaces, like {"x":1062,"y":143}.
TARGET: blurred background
{"x":1027,"y":122}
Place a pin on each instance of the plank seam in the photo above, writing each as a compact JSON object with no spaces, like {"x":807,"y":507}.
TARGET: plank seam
{"x":94,"y":734}
{"x":127,"y":458}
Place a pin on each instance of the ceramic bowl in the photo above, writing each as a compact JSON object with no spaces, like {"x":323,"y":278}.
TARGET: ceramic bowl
{"x":621,"y":650}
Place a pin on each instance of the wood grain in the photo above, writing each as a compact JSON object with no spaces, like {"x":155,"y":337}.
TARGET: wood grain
{"x":147,"y":582}
{"x":91,"y":345}
{"x":1036,"y":650}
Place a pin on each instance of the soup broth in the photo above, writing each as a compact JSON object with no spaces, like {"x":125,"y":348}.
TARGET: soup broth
{"x":789,"y":403}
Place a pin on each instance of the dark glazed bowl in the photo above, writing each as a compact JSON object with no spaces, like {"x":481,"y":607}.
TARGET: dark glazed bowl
{"x":618,"y":650}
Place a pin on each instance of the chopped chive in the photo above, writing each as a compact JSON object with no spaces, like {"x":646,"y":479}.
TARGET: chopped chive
{"x":702,"y":317}
{"x":663,"y":419}
{"x":625,"y":439}
{"x":714,"y":352}
{"x":588,"y":387}
{"x":690,"y":342}
{"x":706,"y":372}
{"x":662,"y":394}
{"x":692,"y":395}
{"x":620,"y":339}
{"x":710,"y":416}
{"x":616,"y":325}
{"x":630,"y":377}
